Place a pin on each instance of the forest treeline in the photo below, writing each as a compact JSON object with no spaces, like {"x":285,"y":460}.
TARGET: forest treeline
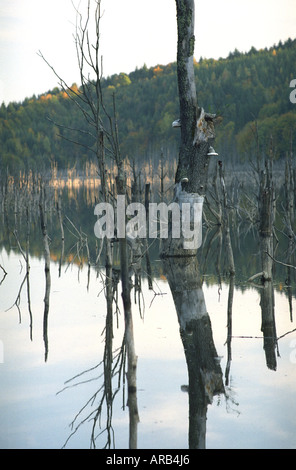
{"x":243,"y":89}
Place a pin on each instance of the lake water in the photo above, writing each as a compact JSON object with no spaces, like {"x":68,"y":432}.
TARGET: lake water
{"x":37,"y":404}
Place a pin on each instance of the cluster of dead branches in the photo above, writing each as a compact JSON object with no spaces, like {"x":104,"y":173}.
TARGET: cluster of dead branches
{"x":103,"y":133}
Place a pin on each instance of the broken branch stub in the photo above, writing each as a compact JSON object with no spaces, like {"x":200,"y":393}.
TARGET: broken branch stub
{"x":205,"y":130}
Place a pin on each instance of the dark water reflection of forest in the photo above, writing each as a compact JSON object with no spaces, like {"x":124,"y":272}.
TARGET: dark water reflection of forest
{"x":224,"y":378}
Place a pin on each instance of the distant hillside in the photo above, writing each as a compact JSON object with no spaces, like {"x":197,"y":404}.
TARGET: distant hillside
{"x":241,"y":88}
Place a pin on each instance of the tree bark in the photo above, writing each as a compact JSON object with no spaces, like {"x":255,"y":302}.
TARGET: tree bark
{"x":266,"y":219}
{"x":204,"y":370}
{"x":266,"y":227}
{"x":197,"y":133}
{"x":197,"y":127}
{"x":129,"y":331}
{"x":46,"y":268}
{"x":268,"y":325}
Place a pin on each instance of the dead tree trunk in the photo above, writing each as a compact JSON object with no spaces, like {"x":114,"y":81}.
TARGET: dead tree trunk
{"x":266,"y":228}
{"x":229,"y":329}
{"x":266,"y":219}
{"x":59,"y":211}
{"x":43,"y":223}
{"x":226,"y":224}
{"x":204,"y":371}
{"x":197,"y":127}
{"x":129,"y":331}
{"x":180,"y":263}
{"x":146,"y":247}
{"x":268,"y":325}
{"x":289,"y":219}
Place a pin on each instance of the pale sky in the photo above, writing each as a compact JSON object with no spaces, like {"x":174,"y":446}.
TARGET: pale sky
{"x":133,"y":33}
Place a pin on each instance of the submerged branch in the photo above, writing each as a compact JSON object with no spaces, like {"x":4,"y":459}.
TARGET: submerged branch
{"x":280,"y":262}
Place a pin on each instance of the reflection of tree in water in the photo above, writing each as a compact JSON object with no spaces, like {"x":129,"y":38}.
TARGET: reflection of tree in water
{"x":117,"y":370}
{"x":185,"y":279}
{"x":99,"y":406}
{"x":204,"y":371}
{"x":203,"y":365}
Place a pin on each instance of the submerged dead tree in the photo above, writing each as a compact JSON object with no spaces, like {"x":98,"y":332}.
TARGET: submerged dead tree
{"x":266,"y":220}
{"x":43,"y":222}
{"x":204,"y":370}
{"x":180,"y":262}
{"x":102,"y":133}
{"x":266,"y":216}
{"x":266,"y":229}
{"x":196,"y":127}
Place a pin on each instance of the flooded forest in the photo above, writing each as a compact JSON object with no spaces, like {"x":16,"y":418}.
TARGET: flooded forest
{"x":134,"y":342}
{"x":67,"y":347}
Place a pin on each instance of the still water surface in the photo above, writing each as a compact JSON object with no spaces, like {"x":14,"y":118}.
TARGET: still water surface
{"x":37,"y":405}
